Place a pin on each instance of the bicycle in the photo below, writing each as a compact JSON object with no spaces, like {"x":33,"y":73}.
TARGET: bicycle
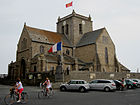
{"x":13,"y":97}
{"x":42,"y":94}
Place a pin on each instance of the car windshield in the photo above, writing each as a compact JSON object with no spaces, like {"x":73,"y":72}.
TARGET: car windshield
{"x":72,"y":82}
{"x":129,"y":81}
{"x":85,"y":82}
{"x":94,"y":81}
{"x":135,"y":80}
{"x":77,"y":82}
{"x":117,"y":81}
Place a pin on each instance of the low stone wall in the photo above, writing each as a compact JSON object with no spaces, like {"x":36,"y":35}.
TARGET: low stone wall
{"x":88,"y":76}
{"x":56,"y":85}
{"x":78,"y":75}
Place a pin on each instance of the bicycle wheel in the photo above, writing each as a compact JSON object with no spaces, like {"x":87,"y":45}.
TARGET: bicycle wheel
{"x":9,"y":99}
{"x":50,"y":93}
{"x":41,"y":94}
{"x":24,"y":97}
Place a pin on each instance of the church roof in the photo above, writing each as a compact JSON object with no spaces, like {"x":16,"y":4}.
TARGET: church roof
{"x":45,"y":36}
{"x":90,"y":37}
{"x":124,"y":68}
{"x":53,"y":58}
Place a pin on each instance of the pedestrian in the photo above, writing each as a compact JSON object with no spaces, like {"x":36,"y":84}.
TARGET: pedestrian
{"x":124,"y":83}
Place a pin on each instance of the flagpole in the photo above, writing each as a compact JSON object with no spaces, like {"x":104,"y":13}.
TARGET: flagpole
{"x":72,"y":6}
{"x":62,"y":60}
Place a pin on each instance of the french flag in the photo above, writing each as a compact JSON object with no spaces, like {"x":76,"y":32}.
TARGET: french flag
{"x":56,"y":47}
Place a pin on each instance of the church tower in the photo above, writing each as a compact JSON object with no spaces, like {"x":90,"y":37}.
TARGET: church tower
{"x":74,"y":26}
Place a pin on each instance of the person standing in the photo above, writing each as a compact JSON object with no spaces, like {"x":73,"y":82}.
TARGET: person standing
{"x":124,"y":83}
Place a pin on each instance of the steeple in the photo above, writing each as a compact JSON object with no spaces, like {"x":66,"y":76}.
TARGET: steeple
{"x":58,"y":19}
{"x":73,"y":13}
{"x":24,"y":23}
{"x":89,"y":17}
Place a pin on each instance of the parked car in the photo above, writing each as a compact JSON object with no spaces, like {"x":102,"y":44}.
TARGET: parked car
{"x":130,"y":84}
{"x":80,"y":85}
{"x":119,"y":85}
{"x":137,"y":81}
{"x":102,"y":84}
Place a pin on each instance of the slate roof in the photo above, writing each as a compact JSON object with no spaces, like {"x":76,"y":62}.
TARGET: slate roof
{"x":45,"y":36}
{"x":123,"y":67}
{"x":89,"y":38}
{"x":53,"y":57}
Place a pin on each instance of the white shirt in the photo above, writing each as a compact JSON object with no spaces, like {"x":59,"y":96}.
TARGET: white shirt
{"x":20,"y":87}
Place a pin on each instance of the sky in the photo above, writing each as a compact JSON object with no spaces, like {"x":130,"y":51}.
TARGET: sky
{"x":121,"y":18}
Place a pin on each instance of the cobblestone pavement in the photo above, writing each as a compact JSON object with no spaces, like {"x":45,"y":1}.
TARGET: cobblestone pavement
{"x":128,"y":97}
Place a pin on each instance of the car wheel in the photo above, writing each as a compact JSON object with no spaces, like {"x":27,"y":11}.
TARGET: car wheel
{"x":106,"y":89}
{"x":138,"y":85}
{"x":130,"y":87}
{"x":82,"y":89}
{"x":121,"y":88}
{"x":63,"y":88}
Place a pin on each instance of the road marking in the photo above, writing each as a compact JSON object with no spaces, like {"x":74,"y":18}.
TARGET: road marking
{"x":130,"y":94}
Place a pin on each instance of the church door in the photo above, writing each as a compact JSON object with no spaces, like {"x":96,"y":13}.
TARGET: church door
{"x":22,"y":69}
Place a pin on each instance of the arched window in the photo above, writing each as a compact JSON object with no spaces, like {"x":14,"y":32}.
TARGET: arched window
{"x":67,"y":29}
{"x":80,"y":29}
{"x":41,"y":49}
{"x":68,"y":70}
{"x":106,"y":55}
{"x":67,"y":52}
{"x":62,"y":29}
{"x":35,"y":70}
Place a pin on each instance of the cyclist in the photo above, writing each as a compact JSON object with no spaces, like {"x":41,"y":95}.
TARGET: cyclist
{"x":47,"y":83}
{"x":19,"y":88}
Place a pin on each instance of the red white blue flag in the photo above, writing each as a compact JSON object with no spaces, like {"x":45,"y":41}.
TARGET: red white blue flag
{"x":56,"y":47}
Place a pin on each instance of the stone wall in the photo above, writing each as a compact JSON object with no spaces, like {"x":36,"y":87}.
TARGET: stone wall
{"x":88,"y":76}
{"x":86,"y":53}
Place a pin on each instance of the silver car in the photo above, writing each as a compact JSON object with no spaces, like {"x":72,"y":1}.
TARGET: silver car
{"x":80,"y":85}
{"x":102,"y":84}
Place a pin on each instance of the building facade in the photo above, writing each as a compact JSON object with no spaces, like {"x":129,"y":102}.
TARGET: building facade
{"x":83,"y":49}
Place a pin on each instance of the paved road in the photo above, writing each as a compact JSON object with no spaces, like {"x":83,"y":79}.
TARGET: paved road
{"x":128,"y":97}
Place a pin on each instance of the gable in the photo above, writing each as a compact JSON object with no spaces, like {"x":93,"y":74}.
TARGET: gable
{"x":105,"y":49}
{"x":104,"y":38}
{"x":24,"y":40}
{"x":89,"y":38}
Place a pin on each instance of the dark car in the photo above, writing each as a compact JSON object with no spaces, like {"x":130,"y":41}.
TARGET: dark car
{"x":119,"y":85}
{"x":130,"y":84}
{"x":137,"y":81}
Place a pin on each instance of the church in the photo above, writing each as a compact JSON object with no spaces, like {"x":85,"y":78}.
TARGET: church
{"x":83,"y":49}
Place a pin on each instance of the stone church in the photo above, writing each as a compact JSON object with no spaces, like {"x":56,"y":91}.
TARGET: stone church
{"x":83,"y":49}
